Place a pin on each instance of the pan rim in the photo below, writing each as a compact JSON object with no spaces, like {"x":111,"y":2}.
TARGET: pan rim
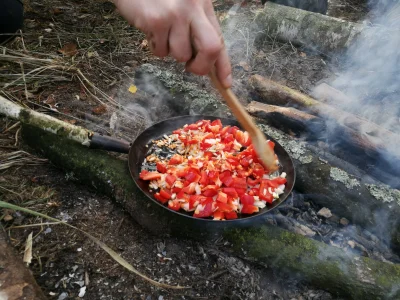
{"x":262,"y":212}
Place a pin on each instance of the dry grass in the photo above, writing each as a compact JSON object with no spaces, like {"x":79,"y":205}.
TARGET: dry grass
{"x":36,"y":62}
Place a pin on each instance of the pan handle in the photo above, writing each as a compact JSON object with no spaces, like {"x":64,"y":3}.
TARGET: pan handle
{"x":107,"y":143}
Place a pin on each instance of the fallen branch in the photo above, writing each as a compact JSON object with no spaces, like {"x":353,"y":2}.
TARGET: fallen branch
{"x":358,"y":200}
{"x":325,"y":266}
{"x":114,"y":255}
{"x":379,"y":143}
{"x":287,"y":119}
{"x":47,"y":123}
{"x":303,"y":28}
{"x":16,"y":281}
{"x":328,"y":94}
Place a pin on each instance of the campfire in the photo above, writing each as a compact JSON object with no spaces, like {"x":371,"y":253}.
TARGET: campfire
{"x":338,"y":229}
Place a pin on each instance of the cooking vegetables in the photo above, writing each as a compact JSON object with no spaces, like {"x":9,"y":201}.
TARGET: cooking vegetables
{"x":210,"y":170}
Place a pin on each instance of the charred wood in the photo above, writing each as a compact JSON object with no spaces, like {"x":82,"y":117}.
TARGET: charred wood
{"x":350,"y":136}
{"x":282,"y":250}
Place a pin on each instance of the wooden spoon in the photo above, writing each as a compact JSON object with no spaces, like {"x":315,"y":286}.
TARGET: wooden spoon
{"x":264,"y":151}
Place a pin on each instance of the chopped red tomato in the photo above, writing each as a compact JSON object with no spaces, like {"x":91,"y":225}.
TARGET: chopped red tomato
{"x":231,"y":215}
{"x":210,"y":190}
{"x":258,"y":170}
{"x":192,"y":177}
{"x":170,"y":179}
{"x":230,"y":192}
{"x":252,"y":182}
{"x":239,"y":183}
{"x":174,"y":205}
{"x":246,"y":199}
{"x":218,"y":215}
{"x":176,"y":159}
{"x":213,"y":177}
{"x":204,"y":210}
{"x":165,"y":193}
{"x":161,"y":167}
{"x":249,"y":209}
{"x":160,"y":198}
{"x":264,"y":193}
{"x":146,"y":175}
{"x":222,"y":197}
{"x":225,"y":207}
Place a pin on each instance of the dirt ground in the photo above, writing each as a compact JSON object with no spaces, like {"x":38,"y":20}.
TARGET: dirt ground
{"x":106,"y":51}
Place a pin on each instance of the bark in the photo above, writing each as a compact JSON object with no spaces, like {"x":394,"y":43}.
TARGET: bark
{"x":378,"y":143}
{"x":47,"y":123}
{"x":350,"y":194}
{"x":303,"y":28}
{"x":288,"y":119}
{"x":325,"y":266}
{"x":16,"y":281}
{"x":291,"y":120}
{"x":328,"y":94}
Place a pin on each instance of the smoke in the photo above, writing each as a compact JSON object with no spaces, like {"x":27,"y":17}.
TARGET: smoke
{"x":372,"y":78}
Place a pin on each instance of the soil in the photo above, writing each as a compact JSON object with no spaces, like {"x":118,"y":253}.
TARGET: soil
{"x":108,"y":51}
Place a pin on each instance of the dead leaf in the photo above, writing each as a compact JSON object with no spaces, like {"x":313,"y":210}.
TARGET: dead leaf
{"x":132,"y":89}
{"x":144,"y":44}
{"x":50,"y":99}
{"x":8,"y":218}
{"x":99,"y":110}
{"x":28,"y":250}
{"x":57,"y":11}
{"x":73,"y":122}
{"x":245,"y":66}
{"x":69,"y":49}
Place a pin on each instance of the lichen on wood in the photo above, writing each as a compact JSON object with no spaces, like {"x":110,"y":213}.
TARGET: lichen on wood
{"x":325,"y":266}
{"x":340,"y":191}
{"x":332,"y":268}
{"x":312,"y":30}
{"x":45,"y":122}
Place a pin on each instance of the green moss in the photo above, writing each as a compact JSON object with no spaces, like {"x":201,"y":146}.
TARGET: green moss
{"x":55,"y":126}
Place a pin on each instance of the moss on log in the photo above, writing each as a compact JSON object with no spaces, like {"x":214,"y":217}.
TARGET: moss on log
{"x":303,"y":28}
{"x":360,"y":199}
{"x":47,"y":123}
{"x":328,"y":267}
{"x":322,"y":265}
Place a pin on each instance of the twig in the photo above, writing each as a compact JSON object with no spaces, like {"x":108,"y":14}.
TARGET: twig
{"x":217,"y":274}
{"x":22,"y":40}
{"x":16,"y":136}
{"x":34,"y":225}
{"x":23,"y":78}
{"x":11,"y":127}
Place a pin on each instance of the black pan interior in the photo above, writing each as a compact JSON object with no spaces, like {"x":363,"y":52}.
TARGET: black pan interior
{"x":138,"y":152}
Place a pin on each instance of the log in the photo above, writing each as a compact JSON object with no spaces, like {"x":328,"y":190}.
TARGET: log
{"x":288,"y":119}
{"x":16,"y":280}
{"x":351,"y":195}
{"x":307,"y":29}
{"x":322,"y":265}
{"x":295,"y":122}
{"x":328,"y":94}
{"x":381,"y":145}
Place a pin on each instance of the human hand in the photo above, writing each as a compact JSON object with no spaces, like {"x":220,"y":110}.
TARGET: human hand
{"x":176,"y":28}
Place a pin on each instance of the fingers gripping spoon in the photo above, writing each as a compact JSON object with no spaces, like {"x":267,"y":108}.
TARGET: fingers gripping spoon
{"x":264,"y":151}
